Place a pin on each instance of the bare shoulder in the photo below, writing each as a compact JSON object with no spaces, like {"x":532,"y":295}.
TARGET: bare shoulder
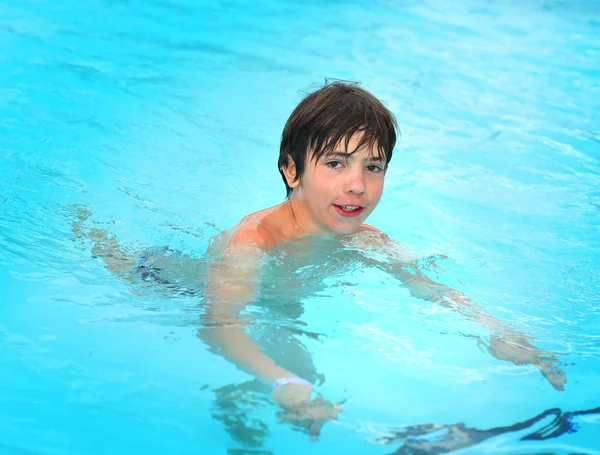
{"x":251,"y":232}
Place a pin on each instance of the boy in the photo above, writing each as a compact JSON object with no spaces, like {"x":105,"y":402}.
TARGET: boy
{"x":334,"y":153}
{"x":335,"y":150}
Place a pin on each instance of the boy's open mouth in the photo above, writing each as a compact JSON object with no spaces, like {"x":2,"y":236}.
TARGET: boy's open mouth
{"x":349,"y":210}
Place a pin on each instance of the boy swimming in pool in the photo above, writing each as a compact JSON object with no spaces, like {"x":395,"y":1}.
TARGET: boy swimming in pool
{"x":334,"y":153}
{"x":335,"y":149}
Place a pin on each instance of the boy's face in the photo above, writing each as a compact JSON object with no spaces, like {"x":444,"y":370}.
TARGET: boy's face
{"x":341,"y":190}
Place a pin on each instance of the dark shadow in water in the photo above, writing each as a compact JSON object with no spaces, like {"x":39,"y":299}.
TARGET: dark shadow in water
{"x":432,"y":439}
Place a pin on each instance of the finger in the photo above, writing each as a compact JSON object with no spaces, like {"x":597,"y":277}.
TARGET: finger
{"x":334,"y":411}
{"x":304,"y":423}
{"x":287,"y":416}
{"x":315,"y":429}
{"x":555,"y":376}
{"x":294,"y":415}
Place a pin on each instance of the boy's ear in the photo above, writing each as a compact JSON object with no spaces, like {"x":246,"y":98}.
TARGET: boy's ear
{"x":289,"y":171}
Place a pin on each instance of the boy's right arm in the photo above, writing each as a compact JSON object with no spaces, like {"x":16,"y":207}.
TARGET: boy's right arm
{"x":231,"y":286}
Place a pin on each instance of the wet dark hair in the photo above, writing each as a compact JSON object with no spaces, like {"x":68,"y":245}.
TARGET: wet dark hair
{"x":336,"y":111}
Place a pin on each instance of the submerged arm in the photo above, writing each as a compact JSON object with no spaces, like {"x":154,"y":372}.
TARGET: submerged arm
{"x":422,"y":287}
{"x":231,"y":286}
{"x":506,"y":343}
{"x":105,"y":246}
{"x":156,"y":268}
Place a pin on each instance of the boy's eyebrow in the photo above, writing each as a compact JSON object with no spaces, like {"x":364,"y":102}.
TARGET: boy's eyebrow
{"x":340,"y":153}
{"x":349,"y":155}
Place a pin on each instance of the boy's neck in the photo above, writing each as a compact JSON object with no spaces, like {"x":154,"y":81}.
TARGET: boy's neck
{"x":303,"y":224}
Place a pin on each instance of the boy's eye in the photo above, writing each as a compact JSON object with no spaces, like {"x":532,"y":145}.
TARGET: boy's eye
{"x":334,"y":164}
{"x":374,"y":168}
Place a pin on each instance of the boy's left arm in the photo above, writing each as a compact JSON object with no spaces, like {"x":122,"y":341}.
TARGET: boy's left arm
{"x":506,"y":343}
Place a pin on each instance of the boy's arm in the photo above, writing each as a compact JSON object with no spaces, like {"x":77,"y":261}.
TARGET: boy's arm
{"x":506,"y":343}
{"x":105,"y":246}
{"x":232,"y":285}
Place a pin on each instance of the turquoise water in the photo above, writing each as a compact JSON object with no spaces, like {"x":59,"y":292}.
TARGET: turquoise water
{"x":163,"y":120}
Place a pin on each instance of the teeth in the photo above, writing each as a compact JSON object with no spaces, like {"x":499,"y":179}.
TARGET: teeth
{"x":349,"y":208}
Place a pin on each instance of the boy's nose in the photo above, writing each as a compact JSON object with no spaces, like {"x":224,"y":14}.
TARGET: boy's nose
{"x":355,"y":183}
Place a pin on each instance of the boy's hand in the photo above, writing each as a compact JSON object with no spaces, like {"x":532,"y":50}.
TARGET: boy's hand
{"x":300,"y":411}
{"x":519,"y":351}
{"x":292,"y":395}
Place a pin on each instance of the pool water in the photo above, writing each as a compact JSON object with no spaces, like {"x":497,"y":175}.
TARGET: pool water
{"x":162,"y":120}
